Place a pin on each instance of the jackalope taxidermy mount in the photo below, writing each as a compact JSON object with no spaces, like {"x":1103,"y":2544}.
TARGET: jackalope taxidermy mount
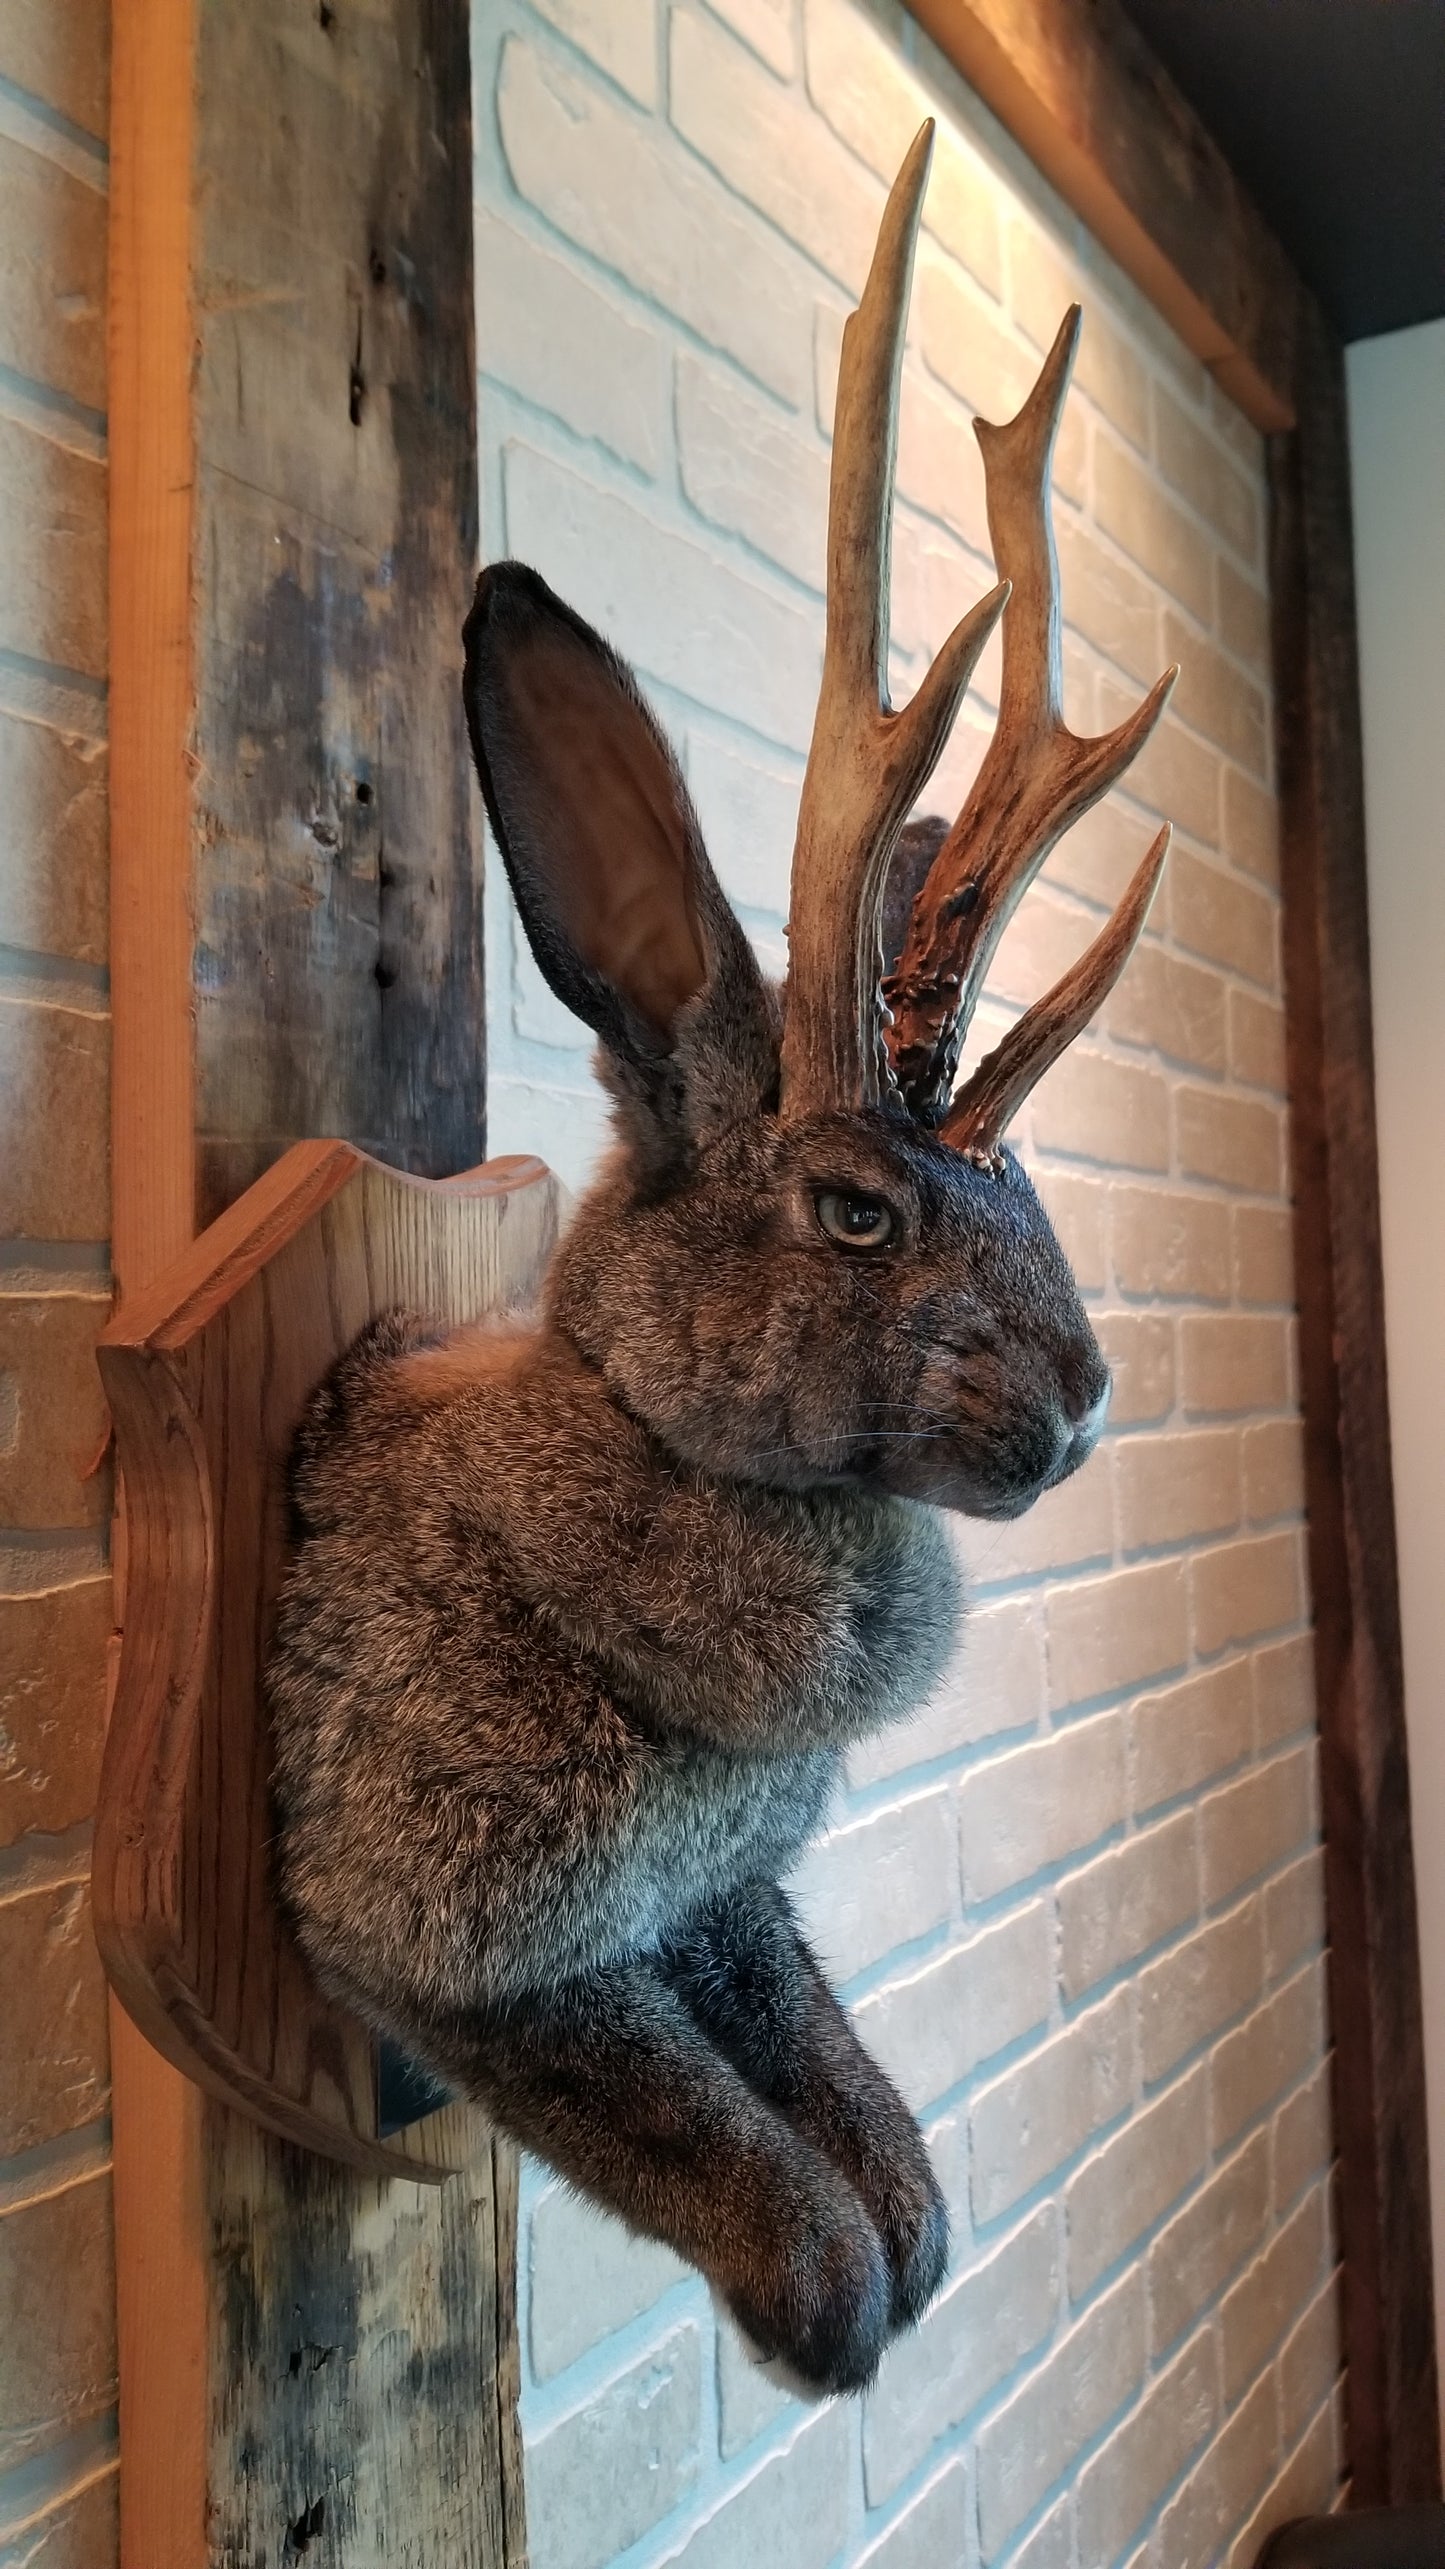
{"x":583,"y":1613}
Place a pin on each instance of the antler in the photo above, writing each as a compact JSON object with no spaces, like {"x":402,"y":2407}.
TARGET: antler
{"x":866,"y":764}
{"x":1037,"y":778}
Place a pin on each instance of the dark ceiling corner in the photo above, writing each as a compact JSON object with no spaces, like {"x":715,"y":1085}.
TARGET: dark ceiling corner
{"x":1332,"y":112}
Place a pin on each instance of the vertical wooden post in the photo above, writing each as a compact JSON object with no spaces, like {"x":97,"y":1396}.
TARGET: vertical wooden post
{"x":296,"y":950}
{"x":1374,"y":1960}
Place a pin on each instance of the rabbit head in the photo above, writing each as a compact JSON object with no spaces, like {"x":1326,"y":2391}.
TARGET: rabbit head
{"x":808,"y":1261}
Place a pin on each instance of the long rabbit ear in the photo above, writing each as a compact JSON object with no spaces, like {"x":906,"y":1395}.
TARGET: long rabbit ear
{"x":601,"y":844}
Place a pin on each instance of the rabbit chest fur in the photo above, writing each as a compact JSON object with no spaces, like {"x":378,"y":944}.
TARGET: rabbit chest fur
{"x":540,"y":1690}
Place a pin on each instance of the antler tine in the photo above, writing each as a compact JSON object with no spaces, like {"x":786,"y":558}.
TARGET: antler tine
{"x":1037,"y":778}
{"x":866,"y":763}
{"x":988,"y":1101}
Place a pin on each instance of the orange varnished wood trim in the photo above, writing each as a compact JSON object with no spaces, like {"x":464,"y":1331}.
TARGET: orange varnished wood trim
{"x":161,"y":2264}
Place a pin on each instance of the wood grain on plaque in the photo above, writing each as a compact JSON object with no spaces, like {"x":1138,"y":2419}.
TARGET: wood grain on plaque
{"x":208,"y":1372}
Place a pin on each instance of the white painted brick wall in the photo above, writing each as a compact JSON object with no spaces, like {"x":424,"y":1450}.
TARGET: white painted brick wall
{"x":1076,"y":1902}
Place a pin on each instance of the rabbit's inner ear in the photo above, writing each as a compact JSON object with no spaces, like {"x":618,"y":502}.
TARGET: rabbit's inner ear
{"x":595,"y":819}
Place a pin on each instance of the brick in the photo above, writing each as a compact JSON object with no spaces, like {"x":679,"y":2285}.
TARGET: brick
{"x":1284,"y":1690}
{"x":748,"y":806}
{"x":62,"y":56}
{"x":588,"y":2276}
{"x":766,"y":25}
{"x":1132,"y":2182}
{"x":1142,"y":2458}
{"x":976,"y":2334}
{"x":1190,"y":1993}
{"x":1254,"y":2065}
{"x":1191,"y":1732}
{"x":932,"y":2528}
{"x":1241,"y":616}
{"x":1172,"y":1489}
{"x":603,"y":2476}
{"x":795,"y":2508}
{"x":1051,"y":2544}
{"x":1042,"y":941}
{"x":746,"y":470}
{"x":965,"y":346}
{"x":1131,"y":507}
{"x":1294,"y":1915}
{"x":1064,"y":1529}
{"x":1256,"y":1042}
{"x":879,"y":1882}
{"x":1031,"y":2441}
{"x":1274,"y":1470}
{"x":53,"y":2032}
{"x":52,"y":1706}
{"x":940,"y":470}
{"x":1039,"y":2114}
{"x":619,"y":35}
{"x":758,"y":137}
{"x":1218,"y":914}
{"x":570,"y":346}
{"x":1095,"y":1109}
{"x":1230,"y":1140}
{"x":1231,"y":1363}
{"x":52,"y":505}
{"x":1309,"y":2361}
{"x":1077,"y":1208}
{"x":1263,"y":1254}
{"x":1189,"y":459}
{"x":1219,"y":2490}
{"x":1107,"y":370}
{"x":1301,"y":2140}
{"x":933,"y":578}
{"x":1216,"y":697}
{"x":875,"y":105}
{"x":655,"y":219}
{"x":1106,"y":601}
{"x":936,"y":2025}
{"x":1035,"y":1805}
{"x":54,"y":1425}
{"x":1170,"y":1245}
{"x":54,"y":1077}
{"x":1125,"y":1901}
{"x":1256,"y":2311}
{"x":1194,"y":2256}
{"x":1176,"y":773}
{"x":1140,"y":1356}
{"x":1102,"y":851}
{"x":995,"y":1684}
{"x":1240,"y":1590}
{"x":1251,"y":826}
{"x":52,"y":276}
{"x":1108,"y":1634}
{"x":1307,"y":2486}
{"x":56,"y":2290}
{"x":53,"y":850}
{"x":749,"y":2403}
{"x":667,"y":604}
{"x":1173,"y":1006}
{"x":1247,"y":1827}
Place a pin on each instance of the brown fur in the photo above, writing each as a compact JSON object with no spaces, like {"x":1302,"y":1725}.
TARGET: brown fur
{"x":583,"y":1615}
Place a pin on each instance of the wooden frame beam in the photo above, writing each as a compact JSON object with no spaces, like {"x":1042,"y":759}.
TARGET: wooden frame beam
{"x":1079,"y":89}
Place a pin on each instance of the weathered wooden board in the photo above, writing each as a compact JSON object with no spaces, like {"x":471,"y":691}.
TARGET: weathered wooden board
{"x":207,"y":1373}
{"x":1374,"y":1962}
{"x":337,"y":973}
{"x":297,"y":885}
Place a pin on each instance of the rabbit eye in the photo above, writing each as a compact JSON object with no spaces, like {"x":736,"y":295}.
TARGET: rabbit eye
{"x":856,"y":1221}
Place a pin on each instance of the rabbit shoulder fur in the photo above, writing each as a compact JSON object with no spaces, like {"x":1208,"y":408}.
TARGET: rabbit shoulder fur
{"x":583,"y":1612}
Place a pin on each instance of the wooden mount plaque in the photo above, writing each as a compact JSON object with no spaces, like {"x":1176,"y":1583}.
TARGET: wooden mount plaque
{"x":207,"y":1372}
